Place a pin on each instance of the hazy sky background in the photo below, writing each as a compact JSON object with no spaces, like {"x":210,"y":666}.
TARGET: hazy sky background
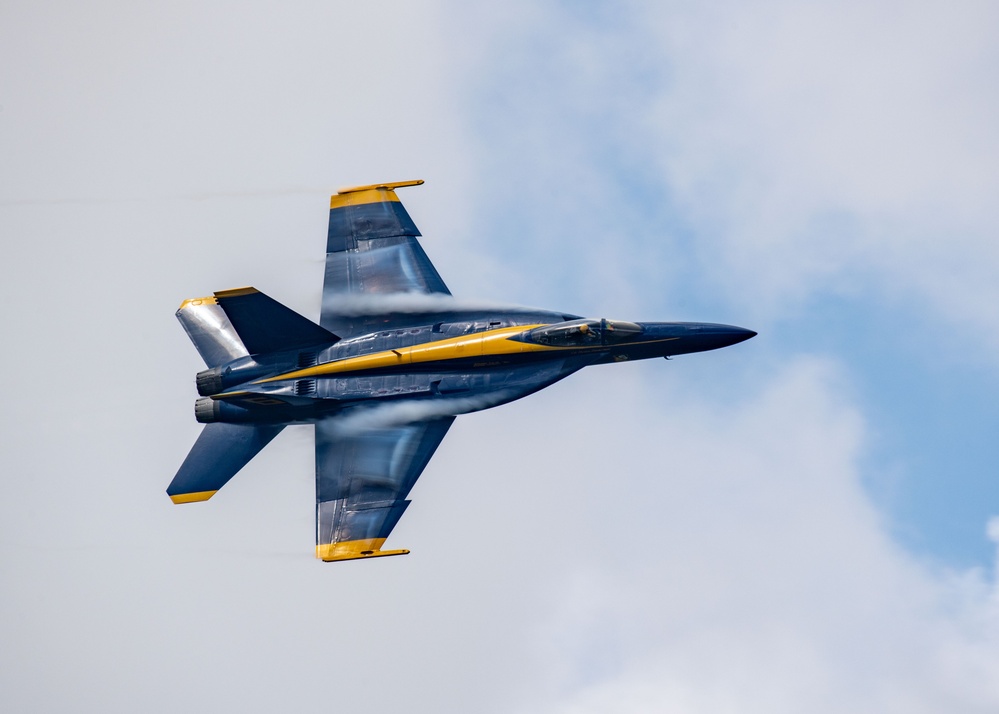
{"x":799,"y":523}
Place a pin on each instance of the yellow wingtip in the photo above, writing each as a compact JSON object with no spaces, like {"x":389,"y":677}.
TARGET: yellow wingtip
{"x":362,"y":556}
{"x":389,"y":186}
{"x":354,"y":550}
{"x":372,"y":193}
{"x":192,"y":497}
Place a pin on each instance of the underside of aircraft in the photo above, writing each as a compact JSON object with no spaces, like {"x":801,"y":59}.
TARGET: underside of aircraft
{"x":392,"y":362}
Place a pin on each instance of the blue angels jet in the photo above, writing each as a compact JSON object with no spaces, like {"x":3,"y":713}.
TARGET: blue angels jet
{"x":393,"y":359}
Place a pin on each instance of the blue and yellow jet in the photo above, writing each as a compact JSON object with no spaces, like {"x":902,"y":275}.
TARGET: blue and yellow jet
{"x":392,"y":361}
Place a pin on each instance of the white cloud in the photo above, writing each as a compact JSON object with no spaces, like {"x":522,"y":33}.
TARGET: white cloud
{"x":799,"y":151}
{"x":811,"y":143}
{"x":639,"y":537}
{"x":727,"y":559}
{"x":805,"y":151}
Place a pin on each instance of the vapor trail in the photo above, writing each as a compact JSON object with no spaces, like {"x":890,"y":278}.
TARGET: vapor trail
{"x":350,"y":305}
{"x":388,"y":415}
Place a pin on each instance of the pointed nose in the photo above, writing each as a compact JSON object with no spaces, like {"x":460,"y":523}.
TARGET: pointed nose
{"x":734,"y":335}
{"x":713,"y":337}
{"x":680,"y":338}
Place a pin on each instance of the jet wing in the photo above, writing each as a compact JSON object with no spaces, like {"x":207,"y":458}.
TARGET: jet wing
{"x":362,"y":480}
{"x":371,"y":250}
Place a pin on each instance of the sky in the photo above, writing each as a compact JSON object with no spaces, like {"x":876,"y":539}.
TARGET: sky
{"x":808,"y":521}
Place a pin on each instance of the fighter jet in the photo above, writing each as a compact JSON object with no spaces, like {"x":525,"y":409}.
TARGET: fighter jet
{"x":392,"y":361}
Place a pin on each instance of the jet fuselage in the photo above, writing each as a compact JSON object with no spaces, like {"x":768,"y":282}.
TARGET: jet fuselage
{"x":479,"y":359}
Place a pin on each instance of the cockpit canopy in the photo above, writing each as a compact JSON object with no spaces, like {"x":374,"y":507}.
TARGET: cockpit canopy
{"x":584,"y":333}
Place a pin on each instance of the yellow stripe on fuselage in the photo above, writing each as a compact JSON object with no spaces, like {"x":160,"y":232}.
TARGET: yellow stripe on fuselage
{"x":481,"y":344}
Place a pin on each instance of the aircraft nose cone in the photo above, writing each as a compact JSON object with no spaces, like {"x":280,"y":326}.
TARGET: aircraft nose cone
{"x":739,"y":334}
{"x":715,"y":336}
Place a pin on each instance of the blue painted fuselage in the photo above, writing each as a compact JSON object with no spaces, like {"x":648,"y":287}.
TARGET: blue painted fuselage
{"x":470,"y":359}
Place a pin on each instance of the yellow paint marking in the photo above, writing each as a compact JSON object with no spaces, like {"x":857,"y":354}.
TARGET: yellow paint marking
{"x":359,"y":198}
{"x":192,"y":497}
{"x":194,"y":302}
{"x":235,"y":292}
{"x":493,"y":342}
{"x":353,"y":549}
{"x":389,"y":186}
{"x":373,"y":193}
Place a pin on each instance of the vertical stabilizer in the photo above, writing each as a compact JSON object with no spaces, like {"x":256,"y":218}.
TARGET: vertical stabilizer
{"x":209,"y":328}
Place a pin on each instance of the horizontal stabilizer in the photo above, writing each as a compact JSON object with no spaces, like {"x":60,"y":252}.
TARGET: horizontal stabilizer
{"x":265,"y":325}
{"x":218,"y":455}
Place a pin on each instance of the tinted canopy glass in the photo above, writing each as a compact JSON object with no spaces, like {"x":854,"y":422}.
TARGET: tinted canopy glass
{"x":584,"y":333}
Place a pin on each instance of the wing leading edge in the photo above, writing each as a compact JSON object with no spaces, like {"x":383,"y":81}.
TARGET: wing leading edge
{"x":362,"y":480}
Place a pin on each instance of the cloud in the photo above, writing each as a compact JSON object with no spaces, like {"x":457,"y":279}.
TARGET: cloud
{"x":838,"y":145}
{"x":690,"y":536}
{"x":727,"y":558}
{"x":780,"y":153}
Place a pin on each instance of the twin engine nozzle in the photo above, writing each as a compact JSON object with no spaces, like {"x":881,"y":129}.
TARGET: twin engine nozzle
{"x":209,"y":411}
{"x":206,"y":409}
{"x":209,"y":382}
{"x":245,"y":369}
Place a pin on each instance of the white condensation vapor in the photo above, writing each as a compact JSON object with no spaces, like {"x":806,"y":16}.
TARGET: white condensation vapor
{"x":816,"y":147}
{"x":387,"y":416}
{"x":351,"y":305}
{"x":768,"y":582}
{"x":157,"y":199}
